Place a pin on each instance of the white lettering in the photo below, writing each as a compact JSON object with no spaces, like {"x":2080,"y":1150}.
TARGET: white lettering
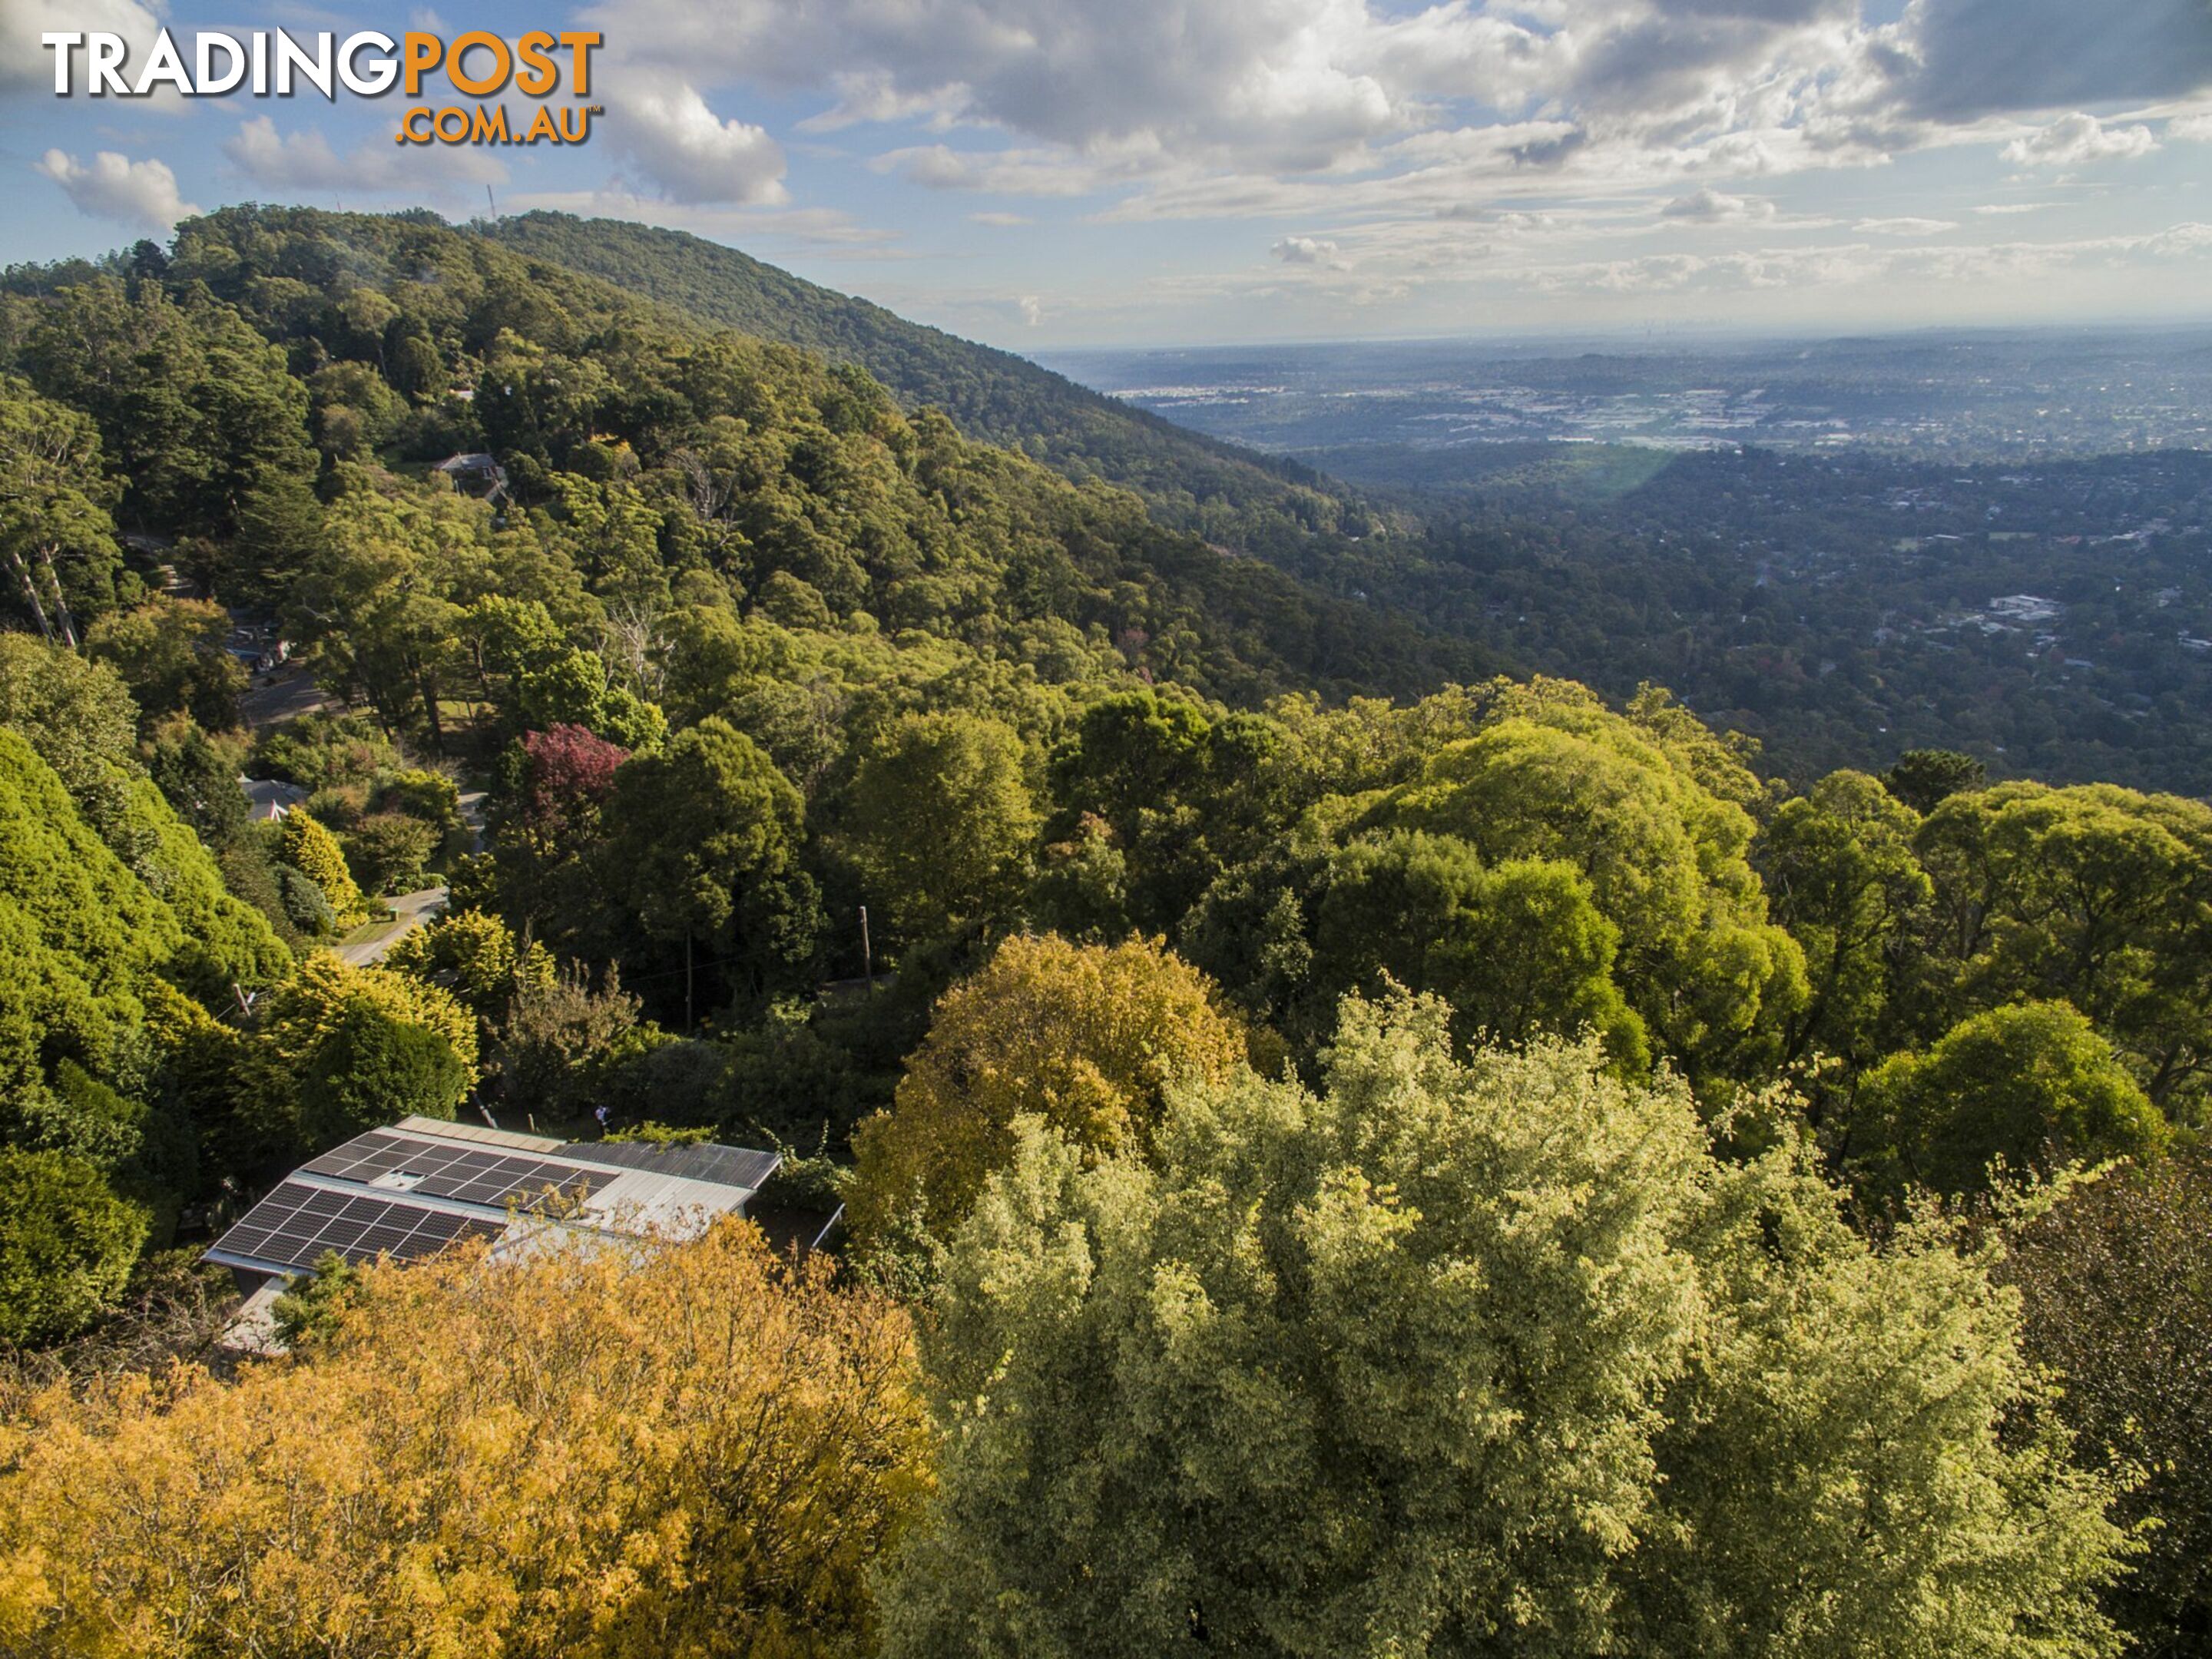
{"x":317,"y":68}
{"x":384,"y":72}
{"x":63,"y":41}
{"x":162,"y":64}
{"x":104,"y":55}
{"x":205,"y":49}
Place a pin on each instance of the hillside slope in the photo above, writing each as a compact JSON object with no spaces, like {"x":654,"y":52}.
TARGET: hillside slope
{"x":1195,"y":481}
{"x":659,"y":441}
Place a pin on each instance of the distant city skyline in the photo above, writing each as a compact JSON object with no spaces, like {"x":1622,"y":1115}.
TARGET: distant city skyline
{"x":1054,"y":174}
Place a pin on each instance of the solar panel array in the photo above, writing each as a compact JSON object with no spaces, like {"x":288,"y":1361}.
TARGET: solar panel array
{"x":475,"y":1174}
{"x":296,"y":1223}
{"x":726,"y":1166}
{"x":302,"y":1220}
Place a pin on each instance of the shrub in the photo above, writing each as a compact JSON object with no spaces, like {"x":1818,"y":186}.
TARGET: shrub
{"x":67,"y":1242}
{"x":389,"y":852}
{"x":312,"y":851}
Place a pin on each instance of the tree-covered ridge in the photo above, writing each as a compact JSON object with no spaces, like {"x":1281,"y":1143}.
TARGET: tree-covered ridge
{"x":644,"y":450}
{"x":1196,"y":482}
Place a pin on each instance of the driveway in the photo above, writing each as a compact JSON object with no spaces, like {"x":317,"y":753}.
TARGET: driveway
{"x":366,"y":945}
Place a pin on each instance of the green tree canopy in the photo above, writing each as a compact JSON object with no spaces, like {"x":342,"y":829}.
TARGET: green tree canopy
{"x":1924,"y":778}
{"x":340,"y":1049}
{"x":1843,"y":877}
{"x":314,"y":851}
{"x":2097,"y":894}
{"x":67,"y":1242}
{"x":2035,"y":1084}
{"x":2116,"y":1286}
{"x":943,"y":823}
{"x":1651,"y":810}
{"x":692,"y":829}
{"x":372,"y":1067}
{"x":192,"y":404}
{"x":173,"y":654}
{"x":702,"y":840}
{"x":77,"y":717}
{"x":1515,"y":948}
{"x":57,"y":552}
{"x":1471,"y":1356}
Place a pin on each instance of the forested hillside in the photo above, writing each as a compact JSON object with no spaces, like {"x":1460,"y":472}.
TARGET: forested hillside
{"x":1342,"y":1152}
{"x":1191,"y":480}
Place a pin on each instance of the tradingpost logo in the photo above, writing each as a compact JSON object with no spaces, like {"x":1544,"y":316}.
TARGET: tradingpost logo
{"x":278,"y":64}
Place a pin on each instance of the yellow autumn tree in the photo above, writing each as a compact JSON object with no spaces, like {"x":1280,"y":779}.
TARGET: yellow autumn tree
{"x":314,"y":852}
{"x":479,"y":955}
{"x":341,"y":1048}
{"x":1089,"y":1038}
{"x":685,"y":1453}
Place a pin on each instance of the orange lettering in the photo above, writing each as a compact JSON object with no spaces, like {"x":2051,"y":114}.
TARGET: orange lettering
{"x":539,"y":74}
{"x":422,"y":52}
{"x":479,"y":86}
{"x":581,"y":43}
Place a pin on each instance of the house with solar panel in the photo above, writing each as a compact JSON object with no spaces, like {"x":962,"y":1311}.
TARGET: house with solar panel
{"x":407,"y":1192}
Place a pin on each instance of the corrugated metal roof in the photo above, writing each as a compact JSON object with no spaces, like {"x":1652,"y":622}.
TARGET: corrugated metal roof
{"x":439,"y":1129}
{"x":726,"y":1166}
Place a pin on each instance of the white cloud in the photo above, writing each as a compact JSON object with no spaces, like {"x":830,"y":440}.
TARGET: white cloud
{"x":1031,"y":309}
{"x":2074,"y":140}
{"x":999,"y":172}
{"x":871,"y":96}
{"x":141,"y":194}
{"x":1904,"y":227}
{"x":1709,"y":207}
{"x":304,"y":161}
{"x":25,"y":66}
{"x":1378,"y":142}
{"x":664,"y":130}
{"x":999,"y":220}
{"x":1278,"y":79}
{"x":1293,"y":108}
{"x":1307,"y":251}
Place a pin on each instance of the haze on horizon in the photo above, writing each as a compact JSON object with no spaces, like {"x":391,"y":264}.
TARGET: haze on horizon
{"x":1048,"y":173}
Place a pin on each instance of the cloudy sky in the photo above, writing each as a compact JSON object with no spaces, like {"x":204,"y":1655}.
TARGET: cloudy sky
{"x":1041,"y":173}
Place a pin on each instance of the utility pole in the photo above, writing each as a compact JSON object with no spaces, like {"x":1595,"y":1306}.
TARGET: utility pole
{"x":867,"y":955}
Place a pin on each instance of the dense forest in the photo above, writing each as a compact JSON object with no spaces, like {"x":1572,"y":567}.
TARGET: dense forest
{"x":1345,"y":1150}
